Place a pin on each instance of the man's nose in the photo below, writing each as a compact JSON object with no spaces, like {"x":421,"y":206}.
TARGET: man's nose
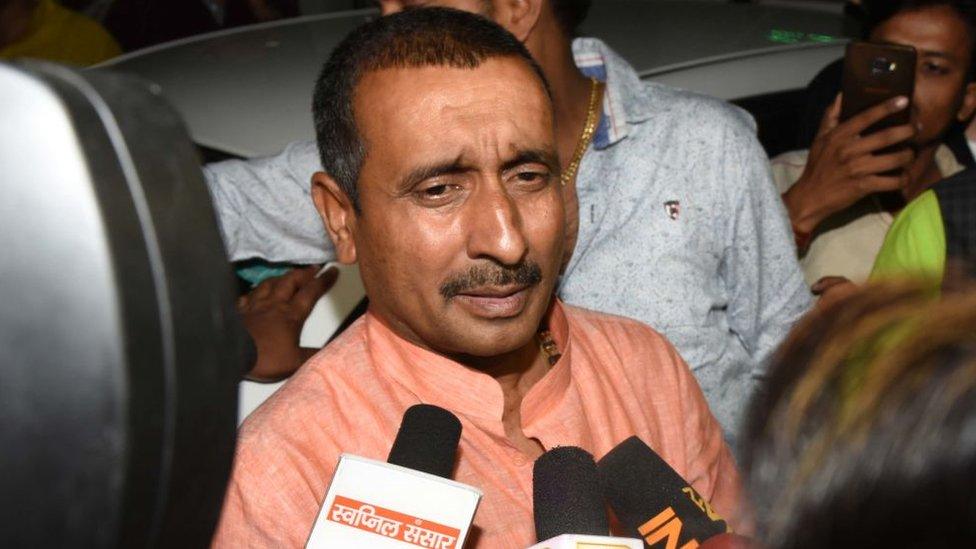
{"x":495,"y":228}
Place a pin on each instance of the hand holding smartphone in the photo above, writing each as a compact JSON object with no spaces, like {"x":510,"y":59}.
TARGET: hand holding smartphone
{"x":874,"y":74}
{"x":862,"y":146}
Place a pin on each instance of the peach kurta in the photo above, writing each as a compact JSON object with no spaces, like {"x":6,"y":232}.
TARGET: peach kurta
{"x":616,"y":378}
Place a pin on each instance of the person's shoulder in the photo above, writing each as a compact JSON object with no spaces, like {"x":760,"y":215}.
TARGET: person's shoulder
{"x":618,"y":334}
{"x":921,"y":215}
{"x":628,"y":351}
{"x":787,"y":168}
{"x":915,"y":245}
{"x":796,"y":159}
{"x":961,"y":185}
{"x":288,"y":448}
{"x":589,"y":318}
{"x":297,"y":161}
{"x":690,"y":109}
{"x":91,"y":42}
{"x":315,"y":390}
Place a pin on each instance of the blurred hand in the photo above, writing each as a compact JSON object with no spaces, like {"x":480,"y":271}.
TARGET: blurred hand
{"x":274,"y":313}
{"x":832,"y":289}
{"x":842,"y":166}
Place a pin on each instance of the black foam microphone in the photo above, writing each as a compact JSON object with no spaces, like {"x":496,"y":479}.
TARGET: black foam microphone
{"x":652,"y":501}
{"x":568,"y":503}
{"x":566,"y":494}
{"x":427,"y":440}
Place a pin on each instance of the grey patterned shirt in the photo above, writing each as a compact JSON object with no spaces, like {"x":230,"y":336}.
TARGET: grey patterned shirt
{"x":680,"y":227}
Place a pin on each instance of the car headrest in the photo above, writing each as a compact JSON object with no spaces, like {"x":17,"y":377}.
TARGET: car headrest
{"x":121,"y":346}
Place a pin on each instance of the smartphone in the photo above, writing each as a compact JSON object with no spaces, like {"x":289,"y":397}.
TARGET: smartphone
{"x":873,"y":74}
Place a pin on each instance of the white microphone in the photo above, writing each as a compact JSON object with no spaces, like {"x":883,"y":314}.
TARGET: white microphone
{"x":568,"y":503}
{"x":409,"y":502}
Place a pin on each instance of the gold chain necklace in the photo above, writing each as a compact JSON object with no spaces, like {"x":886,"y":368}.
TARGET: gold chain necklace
{"x":589,"y":128}
{"x":548,"y":345}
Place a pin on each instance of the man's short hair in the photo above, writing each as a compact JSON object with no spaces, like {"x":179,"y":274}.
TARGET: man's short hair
{"x":876,"y":12}
{"x":879,"y":11}
{"x":437,"y":37}
{"x":863,"y":434}
{"x":570,"y":14}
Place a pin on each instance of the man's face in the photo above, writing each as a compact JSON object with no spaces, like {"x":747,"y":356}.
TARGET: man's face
{"x":481,"y":7}
{"x":460,"y":233}
{"x":944,"y":50}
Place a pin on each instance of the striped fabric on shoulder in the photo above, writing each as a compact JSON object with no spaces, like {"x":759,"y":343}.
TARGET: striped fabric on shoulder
{"x":957,"y":200}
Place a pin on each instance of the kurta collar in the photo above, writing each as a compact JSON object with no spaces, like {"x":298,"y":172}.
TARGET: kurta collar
{"x":438,"y":380}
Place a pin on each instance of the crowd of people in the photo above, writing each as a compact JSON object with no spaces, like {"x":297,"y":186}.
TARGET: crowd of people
{"x":87,"y":32}
{"x":508,"y":181}
{"x":562,"y":254}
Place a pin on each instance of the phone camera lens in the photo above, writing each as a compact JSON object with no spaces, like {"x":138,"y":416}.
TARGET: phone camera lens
{"x":880,"y":65}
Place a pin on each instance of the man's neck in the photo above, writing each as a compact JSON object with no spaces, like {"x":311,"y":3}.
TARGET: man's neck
{"x":923,"y":173}
{"x":516,"y":373}
{"x":553,"y":51}
{"x":570,"y":89}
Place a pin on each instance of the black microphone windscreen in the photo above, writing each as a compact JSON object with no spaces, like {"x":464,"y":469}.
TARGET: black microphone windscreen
{"x":646,"y":495}
{"x":567,"y":496}
{"x":427,"y":440}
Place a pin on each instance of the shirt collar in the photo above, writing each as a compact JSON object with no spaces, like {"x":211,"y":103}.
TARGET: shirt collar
{"x":438,"y":380}
{"x":946,"y":162}
{"x":623,"y":102}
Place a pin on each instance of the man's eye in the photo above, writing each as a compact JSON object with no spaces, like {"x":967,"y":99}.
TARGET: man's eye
{"x":532,"y":178}
{"x":435,"y":191}
{"x":437,"y":194}
{"x":933,"y":68}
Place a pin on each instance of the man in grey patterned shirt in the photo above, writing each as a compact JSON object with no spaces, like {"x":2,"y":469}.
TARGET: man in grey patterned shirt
{"x":679,"y":224}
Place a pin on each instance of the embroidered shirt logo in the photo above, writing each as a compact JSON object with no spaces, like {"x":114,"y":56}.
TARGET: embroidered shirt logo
{"x":673,"y":209}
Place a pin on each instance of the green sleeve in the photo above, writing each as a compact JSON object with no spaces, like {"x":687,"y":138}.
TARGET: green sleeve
{"x":915,"y":245}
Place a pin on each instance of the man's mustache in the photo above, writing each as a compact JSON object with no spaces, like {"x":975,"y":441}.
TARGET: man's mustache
{"x":526,"y":273}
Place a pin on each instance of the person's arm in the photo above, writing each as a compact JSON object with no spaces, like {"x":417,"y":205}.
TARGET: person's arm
{"x":843,"y":166}
{"x":274,"y":313}
{"x":711,"y":469}
{"x":766,"y":289}
{"x":265,"y":210}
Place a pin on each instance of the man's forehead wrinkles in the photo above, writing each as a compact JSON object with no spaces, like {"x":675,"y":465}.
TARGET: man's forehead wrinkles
{"x":493,"y":157}
{"x":490,"y":143}
{"x":937,"y":53}
{"x":498,"y":129}
{"x":476,"y":109}
{"x":925,"y":32}
{"x":413,"y":95}
{"x":469,"y":82}
{"x":484,"y":101}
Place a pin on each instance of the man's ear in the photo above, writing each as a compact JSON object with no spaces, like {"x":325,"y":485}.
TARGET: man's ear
{"x":519,"y":17}
{"x":338,"y":214}
{"x":968,"y":103}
